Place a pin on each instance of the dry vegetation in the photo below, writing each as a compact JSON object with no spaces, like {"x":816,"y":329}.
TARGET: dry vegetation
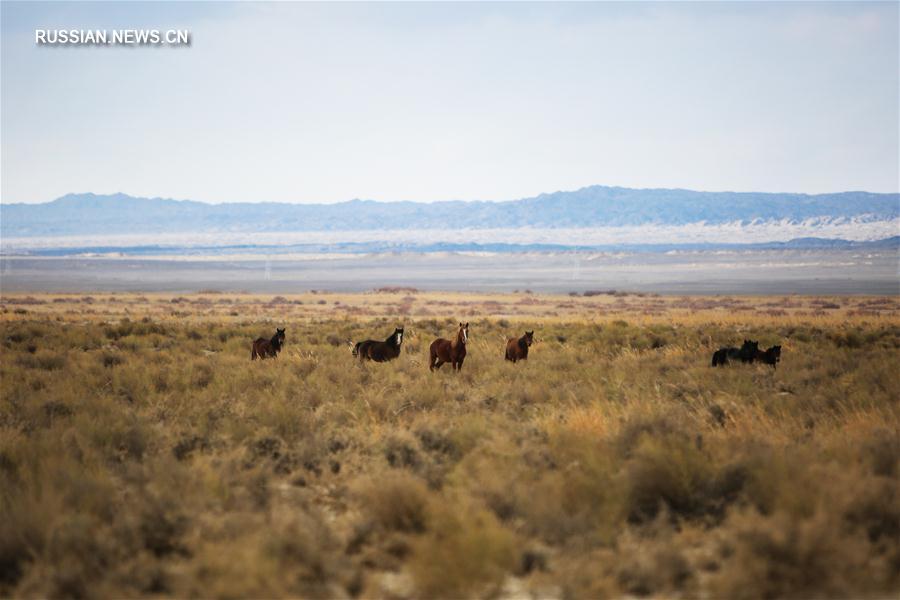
{"x":142,"y":453}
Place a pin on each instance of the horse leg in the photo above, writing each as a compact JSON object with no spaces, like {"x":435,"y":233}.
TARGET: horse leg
{"x":435,"y":362}
{"x":253,"y":353}
{"x":459,"y":365}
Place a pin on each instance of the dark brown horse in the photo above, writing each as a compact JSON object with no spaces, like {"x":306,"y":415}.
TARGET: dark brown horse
{"x":517,"y":348}
{"x":264,"y":348}
{"x":445,"y":351}
{"x":377,"y":351}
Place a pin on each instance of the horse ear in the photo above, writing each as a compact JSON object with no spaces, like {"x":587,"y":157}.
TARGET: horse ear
{"x":467,"y":324}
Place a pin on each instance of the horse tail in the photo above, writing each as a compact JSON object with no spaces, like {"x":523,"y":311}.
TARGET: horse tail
{"x":253,"y":351}
{"x":355,"y":350}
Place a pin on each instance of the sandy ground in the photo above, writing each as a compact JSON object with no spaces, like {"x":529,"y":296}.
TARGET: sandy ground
{"x":722,"y":272}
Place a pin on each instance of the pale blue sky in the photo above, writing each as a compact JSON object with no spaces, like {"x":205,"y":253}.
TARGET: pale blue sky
{"x":414,"y":101}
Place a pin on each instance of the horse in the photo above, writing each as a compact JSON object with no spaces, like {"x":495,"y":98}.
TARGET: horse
{"x":264,"y":348}
{"x":377,"y":351}
{"x":452,"y":352}
{"x":746,"y":354}
{"x":772,"y":356}
{"x":517,"y":348}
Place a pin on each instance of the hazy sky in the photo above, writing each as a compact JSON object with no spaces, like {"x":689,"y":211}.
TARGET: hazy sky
{"x":415,"y":101}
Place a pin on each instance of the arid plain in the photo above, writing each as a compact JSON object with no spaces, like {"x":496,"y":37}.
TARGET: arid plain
{"x":142,"y":453}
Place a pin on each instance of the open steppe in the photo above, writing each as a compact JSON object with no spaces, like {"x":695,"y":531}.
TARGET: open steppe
{"x":142,"y":453}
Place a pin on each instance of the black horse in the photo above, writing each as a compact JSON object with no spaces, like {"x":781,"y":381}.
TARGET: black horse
{"x":746,"y":354}
{"x":377,"y":351}
{"x":772,"y":356}
{"x":264,"y":348}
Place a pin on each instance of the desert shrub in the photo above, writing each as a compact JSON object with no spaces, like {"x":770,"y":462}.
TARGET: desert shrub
{"x":396,"y":501}
{"x":881,"y":448}
{"x":308,"y":554}
{"x":652,"y":562}
{"x":202,"y":374}
{"x":401,"y":451}
{"x":669,"y":472}
{"x":111,"y":359}
{"x":466,"y":553}
{"x":162,"y":524}
{"x":784,"y":557}
{"x":46,"y":360}
{"x":116,"y":436}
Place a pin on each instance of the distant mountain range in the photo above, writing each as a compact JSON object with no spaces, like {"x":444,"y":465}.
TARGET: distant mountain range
{"x":590,"y":207}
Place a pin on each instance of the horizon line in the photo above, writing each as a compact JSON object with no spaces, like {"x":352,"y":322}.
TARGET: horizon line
{"x":447,"y":201}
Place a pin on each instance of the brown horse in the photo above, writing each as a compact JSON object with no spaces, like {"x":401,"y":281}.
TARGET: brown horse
{"x":517,"y":348}
{"x":264,"y":348}
{"x":445,"y":351}
{"x":377,"y":351}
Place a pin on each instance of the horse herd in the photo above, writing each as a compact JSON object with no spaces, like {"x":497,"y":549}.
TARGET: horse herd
{"x":441,"y":350}
{"x":454,"y":351}
{"x":747,"y":353}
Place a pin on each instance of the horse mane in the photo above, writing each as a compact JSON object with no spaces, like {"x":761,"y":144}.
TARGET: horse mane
{"x":392,"y":339}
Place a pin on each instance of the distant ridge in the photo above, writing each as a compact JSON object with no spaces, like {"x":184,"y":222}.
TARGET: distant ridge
{"x":595,"y":206}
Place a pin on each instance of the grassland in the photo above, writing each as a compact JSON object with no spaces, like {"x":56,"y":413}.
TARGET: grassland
{"x":143,"y":454}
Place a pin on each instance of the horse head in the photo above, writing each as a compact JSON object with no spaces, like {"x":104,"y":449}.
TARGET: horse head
{"x":398,"y":336}
{"x":529,"y":337}
{"x":462,"y":336}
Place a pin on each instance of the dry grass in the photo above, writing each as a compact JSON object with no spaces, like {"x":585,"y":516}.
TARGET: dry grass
{"x":142,"y":453}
